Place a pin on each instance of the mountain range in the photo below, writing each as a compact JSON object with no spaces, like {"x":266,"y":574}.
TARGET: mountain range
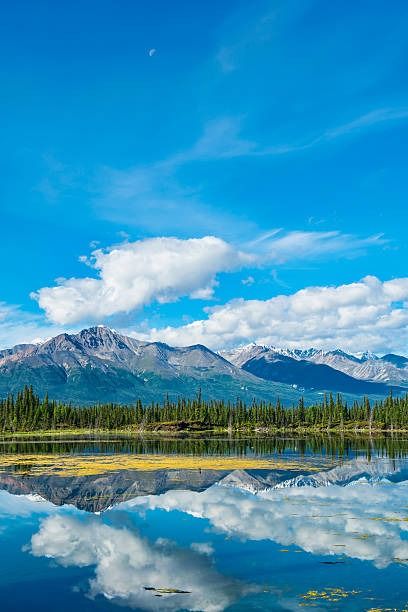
{"x":99,"y":364}
{"x":268,"y":361}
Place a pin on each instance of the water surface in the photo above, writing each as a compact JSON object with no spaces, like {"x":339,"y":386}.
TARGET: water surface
{"x":204,"y":524}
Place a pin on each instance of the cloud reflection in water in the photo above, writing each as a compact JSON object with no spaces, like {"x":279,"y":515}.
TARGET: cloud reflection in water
{"x":126,"y":563}
{"x":364,"y":521}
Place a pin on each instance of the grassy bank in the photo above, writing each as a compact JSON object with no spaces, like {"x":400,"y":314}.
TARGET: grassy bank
{"x":177,"y":428}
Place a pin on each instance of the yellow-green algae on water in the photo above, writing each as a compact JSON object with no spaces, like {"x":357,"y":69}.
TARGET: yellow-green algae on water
{"x":85,"y":465}
{"x":332,"y":594}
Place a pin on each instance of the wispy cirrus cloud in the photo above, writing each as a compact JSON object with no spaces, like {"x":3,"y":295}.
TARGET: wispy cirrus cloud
{"x":356,"y":126}
{"x":280,"y":247}
{"x":256,"y":28}
{"x":370,"y":119}
{"x":154,"y":198}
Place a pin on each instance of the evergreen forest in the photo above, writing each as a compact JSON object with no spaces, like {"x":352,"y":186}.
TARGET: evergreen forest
{"x":25,"y":411}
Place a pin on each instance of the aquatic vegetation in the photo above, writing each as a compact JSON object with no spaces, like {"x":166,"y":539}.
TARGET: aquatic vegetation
{"x":82,"y":465}
{"x":387,"y":610}
{"x":333,"y":594}
{"x":162,"y":591}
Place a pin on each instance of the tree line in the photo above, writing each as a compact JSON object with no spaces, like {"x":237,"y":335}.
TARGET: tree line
{"x":25,"y":411}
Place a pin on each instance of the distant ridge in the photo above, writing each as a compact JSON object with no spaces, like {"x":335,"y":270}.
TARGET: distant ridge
{"x":390,"y":369}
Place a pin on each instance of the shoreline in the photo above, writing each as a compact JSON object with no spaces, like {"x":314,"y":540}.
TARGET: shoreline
{"x":163,"y":429}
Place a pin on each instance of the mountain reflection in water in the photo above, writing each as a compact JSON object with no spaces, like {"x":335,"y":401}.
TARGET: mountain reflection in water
{"x":317,"y":528}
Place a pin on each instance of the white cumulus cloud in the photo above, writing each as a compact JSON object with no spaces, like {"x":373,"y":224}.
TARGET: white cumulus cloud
{"x":368,"y":313}
{"x":131,"y":275}
{"x":134,"y":274}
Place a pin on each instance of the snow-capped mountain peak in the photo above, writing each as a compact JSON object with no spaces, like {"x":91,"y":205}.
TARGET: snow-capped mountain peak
{"x":366,"y":365}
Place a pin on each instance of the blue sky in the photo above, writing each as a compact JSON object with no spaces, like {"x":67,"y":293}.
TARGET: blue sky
{"x":278,"y":128}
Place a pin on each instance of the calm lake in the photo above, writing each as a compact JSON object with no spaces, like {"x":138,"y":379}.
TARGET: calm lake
{"x":204,"y":524}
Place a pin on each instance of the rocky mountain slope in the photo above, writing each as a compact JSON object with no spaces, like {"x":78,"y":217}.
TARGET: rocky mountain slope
{"x":390,"y":369}
{"x":99,"y":364}
{"x":96,"y":493}
{"x":293,"y":369}
{"x":351,"y":472}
